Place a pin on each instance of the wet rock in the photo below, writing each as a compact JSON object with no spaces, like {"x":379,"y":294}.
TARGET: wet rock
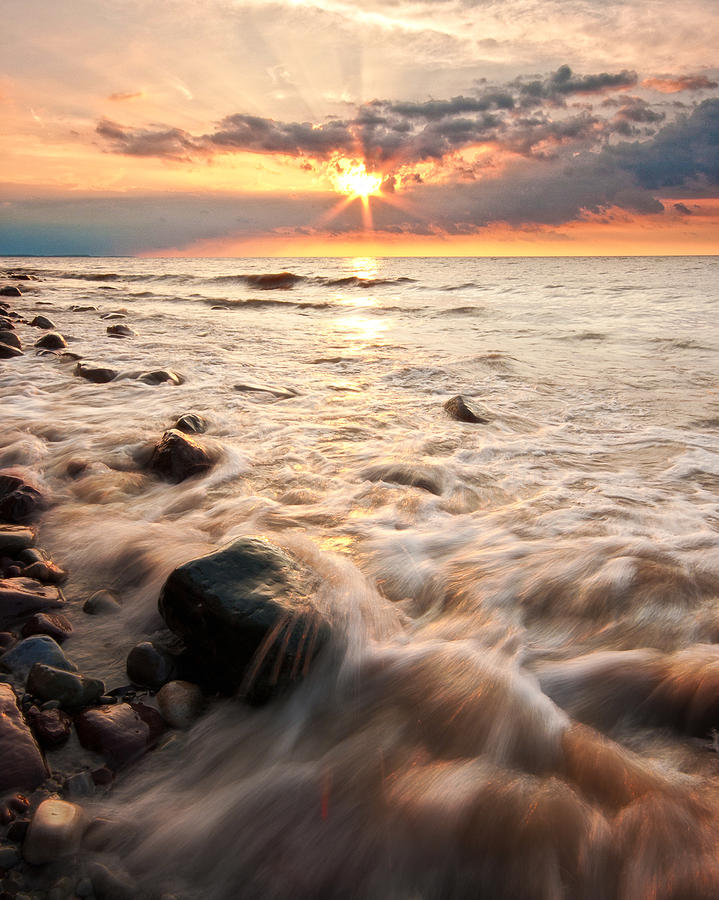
{"x":36,"y":649}
{"x":55,"y":831}
{"x":7,"y":639}
{"x":51,"y":727}
{"x":45,"y":571}
{"x":246,"y":613}
{"x":121,"y":331}
{"x":9,"y":857}
{"x":43,"y":322}
{"x":426,"y":478}
{"x":69,"y":356}
{"x":279,"y":393}
{"x":20,"y":498}
{"x":79,"y":308}
{"x":178,"y":456}
{"x":15,"y":538}
{"x":79,"y":785}
{"x":17,"y":830}
{"x":10,"y":339}
{"x":20,"y":597}
{"x":10,"y":291}
{"x":8,"y":352}
{"x":191,"y":423}
{"x":96,"y":374}
{"x":72,"y":690}
{"x":22,"y":766}
{"x":112,"y":885}
{"x":51,"y":341}
{"x":120,"y":733}
{"x":459,"y":410}
{"x":149,"y":666}
{"x":181,"y":703}
{"x":52,"y":624}
{"x":160,"y":376}
{"x":113,"y":315}
{"x":101,"y":603}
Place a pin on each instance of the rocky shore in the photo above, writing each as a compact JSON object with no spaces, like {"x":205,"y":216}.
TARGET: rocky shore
{"x":241,"y":622}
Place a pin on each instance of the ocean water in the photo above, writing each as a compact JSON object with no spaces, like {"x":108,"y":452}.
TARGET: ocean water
{"x":523,"y":684}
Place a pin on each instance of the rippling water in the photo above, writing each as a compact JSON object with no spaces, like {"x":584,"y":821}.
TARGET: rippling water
{"x":525,"y":673}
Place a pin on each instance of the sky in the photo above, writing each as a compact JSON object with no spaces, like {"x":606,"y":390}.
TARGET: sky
{"x":325,"y":127}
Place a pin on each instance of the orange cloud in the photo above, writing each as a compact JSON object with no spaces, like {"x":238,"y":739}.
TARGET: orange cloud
{"x":672,"y":85}
{"x":127,"y":95}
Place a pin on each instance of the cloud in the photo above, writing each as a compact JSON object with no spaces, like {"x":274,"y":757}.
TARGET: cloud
{"x":674,"y":84}
{"x":128,"y":95}
{"x":563,"y":83}
{"x":160,"y":141}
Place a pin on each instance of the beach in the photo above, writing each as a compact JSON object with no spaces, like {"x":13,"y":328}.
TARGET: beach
{"x":492,"y":669}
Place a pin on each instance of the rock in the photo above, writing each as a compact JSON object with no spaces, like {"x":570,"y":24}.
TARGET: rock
{"x":51,"y":727}
{"x":96,"y":374}
{"x":279,"y":393}
{"x":121,"y":331}
{"x":17,"y":830}
{"x":160,"y":376}
{"x":120,"y":733}
{"x":247,"y":615}
{"x":180,"y":703}
{"x":109,"y":885}
{"x":178,"y":456}
{"x":9,"y":857}
{"x":23,"y":768}
{"x":72,"y":690}
{"x":39,"y":648}
{"x":15,"y":538}
{"x":51,"y":341}
{"x":458,"y":409}
{"x":7,"y":639}
{"x":55,"y":831}
{"x":191,"y":423}
{"x":69,"y":356}
{"x":20,"y":498}
{"x":79,"y":308}
{"x":113,"y":315}
{"x":79,"y":785}
{"x":83,"y":887}
{"x":20,"y":597}
{"x":10,"y":291}
{"x":149,"y":666}
{"x":43,"y":322}
{"x":8,"y":352}
{"x":52,"y":624}
{"x":101,"y":603}
{"x":45,"y":571}
{"x":10,"y":339}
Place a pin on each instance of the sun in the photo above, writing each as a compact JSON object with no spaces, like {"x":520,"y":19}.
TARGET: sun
{"x":356,"y":181}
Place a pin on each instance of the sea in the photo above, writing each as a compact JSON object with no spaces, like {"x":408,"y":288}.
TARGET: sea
{"x":521,"y":693}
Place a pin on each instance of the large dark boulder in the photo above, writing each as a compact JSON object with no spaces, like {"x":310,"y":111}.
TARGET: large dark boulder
{"x":8,"y":352}
{"x":10,"y":291}
{"x":22,"y":767}
{"x":178,"y":456}
{"x":20,"y":597}
{"x":20,"y":499}
{"x":247,"y":615}
{"x":10,"y":339}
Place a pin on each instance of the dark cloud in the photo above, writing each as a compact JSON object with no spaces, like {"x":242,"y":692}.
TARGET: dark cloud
{"x":170,"y":143}
{"x":682,"y":209}
{"x":669,"y":84}
{"x":563,"y":83}
{"x":259,"y":135}
{"x":440,"y":109}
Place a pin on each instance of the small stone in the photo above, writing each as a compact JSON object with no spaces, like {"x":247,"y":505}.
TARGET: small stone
{"x":79,"y":785}
{"x":121,"y":331}
{"x":20,"y":597}
{"x":120,"y":733}
{"x":180,"y":703}
{"x":55,"y":831}
{"x":52,"y":624}
{"x":10,"y":339}
{"x":43,"y":322}
{"x":9,"y":857}
{"x":79,"y":308}
{"x":177,"y":457}
{"x":149,"y":666}
{"x":51,"y":341}
{"x":160,"y":376}
{"x":83,"y":888}
{"x":22,"y":766}
{"x":46,"y":572}
{"x":20,"y":498}
{"x":51,"y":727}
{"x":109,"y":885}
{"x":8,"y":352}
{"x":96,"y":374}
{"x":17,"y":830}
{"x":72,"y":690}
{"x":62,"y":889}
{"x":102,"y":776}
{"x":36,"y":649}
{"x":113,"y":315}
{"x":101,"y":603}
{"x":10,"y":291}
{"x":191,"y":423}
{"x":13,"y":571}
{"x":7,"y":639}
{"x":32,"y":555}
{"x":458,"y":409}
{"x":50,"y":704}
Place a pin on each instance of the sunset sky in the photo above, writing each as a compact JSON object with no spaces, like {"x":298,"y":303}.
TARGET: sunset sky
{"x":246,"y":127}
